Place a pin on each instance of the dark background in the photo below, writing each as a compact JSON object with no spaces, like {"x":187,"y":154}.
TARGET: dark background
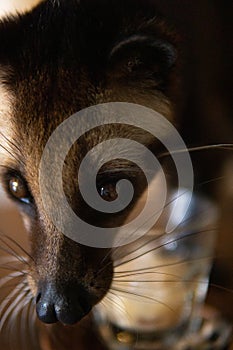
{"x":206,"y":114}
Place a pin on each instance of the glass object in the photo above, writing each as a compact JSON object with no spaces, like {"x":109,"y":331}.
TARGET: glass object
{"x":160,"y":283}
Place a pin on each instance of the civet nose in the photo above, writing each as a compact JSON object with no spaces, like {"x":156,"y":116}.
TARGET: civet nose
{"x":68,"y":303}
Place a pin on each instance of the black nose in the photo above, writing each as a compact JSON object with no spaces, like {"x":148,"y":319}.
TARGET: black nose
{"x":68,"y":303}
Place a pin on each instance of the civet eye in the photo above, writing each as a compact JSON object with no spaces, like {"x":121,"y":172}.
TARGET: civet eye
{"x":108,"y":192}
{"x":18,"y":189}
{"x":107,"y":182}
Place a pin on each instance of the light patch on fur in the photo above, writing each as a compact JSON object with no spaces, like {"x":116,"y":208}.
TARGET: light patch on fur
{"x":6,"y":131}
{"x":32,"y":285}
{"x":12,"y":7}
{"x":26,"y":222}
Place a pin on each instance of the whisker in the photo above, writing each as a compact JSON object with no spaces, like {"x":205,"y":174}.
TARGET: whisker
{"x":118,"y":296}
{"x":25,"y":323}
{"x":181,"y":236}
{"x":122,"y":275}
{"x":11,"y":295}
{"x":10,"y":142}
{"x":166,"y":205}
{"x":147,"y":220}
{"x":110,"y":302}
{"x":115,"y":295}
{"x":16,"y":314}
{"x":8,"y":268}
{"x":147,"y":269}
{"x":5,"y":279}
{"x":11,"y":252}
{"x":32,"y":325}
{"x":10,"y":286}
{"x":228,"y":290}
{"x":11,"y":306}
{"x":161,"y":236}
{"x":17,"y":244}
{"x":116,"y":250}
{"x":112,"y":252}
{"x":10,"y":153}
{"x":220,"y":146}
{"x":175,"y":263}
{"x":147,"y":298}
{"x":180,"y":280}
{"x":14,"y":252}
{"x":9,"y":150}
{"x":8,"y":259}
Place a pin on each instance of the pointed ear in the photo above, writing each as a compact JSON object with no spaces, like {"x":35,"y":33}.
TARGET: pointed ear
{"x":142,"y":57}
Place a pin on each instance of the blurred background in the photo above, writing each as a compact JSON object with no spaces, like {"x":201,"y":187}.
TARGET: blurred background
{"x":205,"y":110}
{"x":206,"y":113}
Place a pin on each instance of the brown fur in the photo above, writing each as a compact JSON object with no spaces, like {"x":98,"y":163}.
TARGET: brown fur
{"x":44,"y":96}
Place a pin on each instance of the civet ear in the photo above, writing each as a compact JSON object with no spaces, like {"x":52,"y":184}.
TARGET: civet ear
{"x":142,"y":57}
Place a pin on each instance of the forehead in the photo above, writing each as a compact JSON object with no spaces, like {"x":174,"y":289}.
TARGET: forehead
{"x":37,"y":104}
{"x":32,"y":110}
{"x":60,"y":69}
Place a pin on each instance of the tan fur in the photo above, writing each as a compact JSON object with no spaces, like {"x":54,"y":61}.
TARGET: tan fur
{"x":45,"y":97}
{"x":6,"y":112}
{"x":15,"y":6}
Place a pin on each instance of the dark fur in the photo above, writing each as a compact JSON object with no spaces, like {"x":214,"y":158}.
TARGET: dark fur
{"x":61,"y":58}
